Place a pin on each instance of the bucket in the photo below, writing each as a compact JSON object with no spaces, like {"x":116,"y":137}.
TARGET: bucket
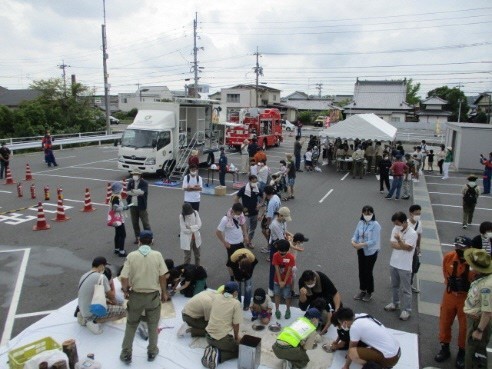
{"x":249,"y":352}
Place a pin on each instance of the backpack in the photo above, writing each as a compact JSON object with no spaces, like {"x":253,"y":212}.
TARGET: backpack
{"x":470,"y":197}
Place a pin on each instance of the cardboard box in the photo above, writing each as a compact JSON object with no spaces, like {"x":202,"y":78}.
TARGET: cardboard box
{"x":220,"y":190}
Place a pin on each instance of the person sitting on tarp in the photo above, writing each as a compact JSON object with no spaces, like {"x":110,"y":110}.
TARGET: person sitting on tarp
{"x":188,"y":279}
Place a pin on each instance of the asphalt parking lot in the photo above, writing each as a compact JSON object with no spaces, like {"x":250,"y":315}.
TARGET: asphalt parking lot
{"x":40,"y":270}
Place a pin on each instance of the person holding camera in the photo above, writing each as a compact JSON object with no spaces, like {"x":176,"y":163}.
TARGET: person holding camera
{"x":458,"y":277}
{"x":487,"y":173}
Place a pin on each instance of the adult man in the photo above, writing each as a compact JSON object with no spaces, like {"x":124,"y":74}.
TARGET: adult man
{"x":458,"y":277}
{"x":273,"y":204}
{"x":222,"y":166}
{"x":225,"y":315}
{"x":144,"y":283}
{"x":380,"y":347}
{"x":192,"y":187}
{"x":47,"y":146}
{"x":253,"y":148}
{"x":138,"y":192}
{"x":478,"y":309}
{"x":4,"y":160}
{"x":297,"y":152}
{"x":196,"y":314}
{"x":398,"y":169}
{"x":294,"y":340}
{"x":313,"y":285}
{"x":244,"y":157}
{"x":403,"y":241}
{"x":378,"y":154}
{"x":369,"y":155}
{"x":299,"y":128}
{"x":86,"y":290}
{"x":252,"y":199}
{"x":358,"y":160}
{"x":470,"y":194}
{"x":487,"y":173}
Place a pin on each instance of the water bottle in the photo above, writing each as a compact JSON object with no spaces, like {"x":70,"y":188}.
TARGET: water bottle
{"x":88,"y":363}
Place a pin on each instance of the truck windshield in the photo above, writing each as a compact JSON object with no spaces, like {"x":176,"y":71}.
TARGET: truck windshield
{"x":139,"y":138}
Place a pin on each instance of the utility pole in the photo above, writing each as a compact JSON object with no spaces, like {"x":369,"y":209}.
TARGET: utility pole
{"x":319,"y":87}
{"x":460,"y":100}
{"x":195,"y":68}
{"x":105,"y":71}
{"x":63,"y":66}
{"x":259,"y":72}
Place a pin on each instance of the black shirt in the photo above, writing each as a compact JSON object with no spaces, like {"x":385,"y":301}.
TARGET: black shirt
{"x":328,"y":290}
{"x":250,"y":202}
{"x":5,"y":153}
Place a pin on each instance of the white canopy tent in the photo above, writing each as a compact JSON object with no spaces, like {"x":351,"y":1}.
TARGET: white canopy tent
{"x":362,"y":126}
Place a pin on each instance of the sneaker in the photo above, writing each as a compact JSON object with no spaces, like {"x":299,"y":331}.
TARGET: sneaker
{"x":80,"y":319}
{"x":381,"y":191}
{"x":265,"y":250}
{"x":213,"y":359}
{"x":388,"y":197}
{"x":465,"y":226}
{"x":143,"y":331}
{"x":405,"y":197}
{"x":116,"y":251}
{"x":286,"y":364}
{"x":152,"y":355}
{"x":367,"y":297}
{"x":278,"y":315}
{"x":95,"y":328}
{"x":126,"y":357}
{"x":397,"y":198}
{"x":415,"y":290}
{"x":122,"y":254}
{"x":287,"y":314}
{"x":360,"y":295}
{"x":405,"y":315}
{"x":183,"y":329}
{"x":391,"y":307}
{"x":206,"y":355}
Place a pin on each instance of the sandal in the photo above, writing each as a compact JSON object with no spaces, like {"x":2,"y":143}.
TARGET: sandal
{"x":278,"y":315}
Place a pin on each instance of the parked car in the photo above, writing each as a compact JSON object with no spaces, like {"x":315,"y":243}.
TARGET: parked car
{"x":113,"y":120}
{"x":320,"y":121}
{"x":288,"y":126}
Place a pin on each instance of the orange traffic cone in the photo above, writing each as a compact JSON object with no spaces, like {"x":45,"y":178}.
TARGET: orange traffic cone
{"x":20,"y":193}
{"x":8,"y":179}
{"x":87,"y":202}
{"x":124,"y":195}
{"x":33,"y":191}
{"x":41,"y":224}
{"x":108,"y":192}
{"x":60,"y":211}
{"x":28,"y":172}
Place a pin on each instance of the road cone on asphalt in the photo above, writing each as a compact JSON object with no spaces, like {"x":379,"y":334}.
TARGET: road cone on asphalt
{"x":46,"y":193}
{"x":60,"y":211}
{"x":108,"y":192}
{"x":33,"y":191}
{"x":28,"y":172}
{"x":8,"y":178}
{"x":87,"y":202}
{"x":59,"y":192}
{"x":41,"y":224}
{"x":19,"y":190}
{"x":124,"y":195}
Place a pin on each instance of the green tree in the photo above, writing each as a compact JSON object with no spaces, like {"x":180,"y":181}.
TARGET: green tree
{"x":453,"y":96}
{"x":6,"y":122}
{"x":412,"y":92}
{"x":305,"y":117}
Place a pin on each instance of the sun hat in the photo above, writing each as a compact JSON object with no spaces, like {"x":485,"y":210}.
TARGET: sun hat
{"x":285,"y":212}
{"x":479,"y":260}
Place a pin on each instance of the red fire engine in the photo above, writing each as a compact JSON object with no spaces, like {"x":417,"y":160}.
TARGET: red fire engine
{"x":264,"y":124}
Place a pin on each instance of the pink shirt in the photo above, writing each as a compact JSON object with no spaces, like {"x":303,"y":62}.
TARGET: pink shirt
{"x":398,"y":168}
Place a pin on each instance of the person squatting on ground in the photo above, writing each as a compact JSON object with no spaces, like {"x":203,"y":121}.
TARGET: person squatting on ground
{"x":119,"y":229}
{"x":252,"y":199}
{"x":188,"y":279}
{"x":487,"y":172}
{"x":144,"y":283}
{"x":470,"y":193}
{"x":138,"y":192}
{"x":190,"y":238}
{"x":458,"y":276}
{"x":192,"y":186}
{"x":366,"y":240}
{"x":293,"y":341}
{"x":262,"y":306}
{"x":196,"y":314}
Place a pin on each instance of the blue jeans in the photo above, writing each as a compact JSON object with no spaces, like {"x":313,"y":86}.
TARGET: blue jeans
{"x":298,"y":161}
{"x":222,"y":177}
{"x":396,"y":185}
{"x":247,"y":292}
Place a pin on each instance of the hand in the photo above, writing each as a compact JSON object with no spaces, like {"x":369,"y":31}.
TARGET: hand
{"x":227,"y":245}
{"x":303,"y":291}
{"x":476,"y":335}
{"x":165,"y":297}
{"x":397,"y":237}
{"x":281,"y":284}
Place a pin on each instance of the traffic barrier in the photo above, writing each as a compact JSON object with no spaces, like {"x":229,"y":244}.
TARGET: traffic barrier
{"x":8,"y":178}
{"x":59,"y":192}
{"x":60,"y":211}
{"x":28,"y":172}
{"x":108,"y":192}
{"x":46,"y":193}
{"x":33,"y":191}
{"x":41,"y":224}
{"x":87,"y":202}
{"x":124,"y":195}
{"x":19,"y":190}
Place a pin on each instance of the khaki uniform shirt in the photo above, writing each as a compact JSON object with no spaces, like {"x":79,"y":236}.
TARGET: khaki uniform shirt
{"x":200,"y":305}
{"x":225,"y":312}
{"x":143,"y":272}
{"x":479,"y":297}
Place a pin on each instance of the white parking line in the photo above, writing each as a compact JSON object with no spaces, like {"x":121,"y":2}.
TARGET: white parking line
{"x":324,"y":197}
{"x":445,"y":184}
{"x":37,"y":313}
{"x":67,"y":157}
{"x":9,"y":322}
{"x":345,"y":176}
{"x":6,"y":191}
{"x":446,"y":193}
{"x":460,"y":206}
{"x":82,"y":201}
{"x":450,"y":221}
{"x":91,"y":168}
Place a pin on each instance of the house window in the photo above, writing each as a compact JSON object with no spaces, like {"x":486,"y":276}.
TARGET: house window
{"x":125,"y":100}
{"x":274,"y":97}
{"x":233,"y":98}
{"x":395,"y":119}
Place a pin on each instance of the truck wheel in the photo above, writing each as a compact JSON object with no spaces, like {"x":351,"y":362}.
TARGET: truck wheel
{"x":210,"y":159}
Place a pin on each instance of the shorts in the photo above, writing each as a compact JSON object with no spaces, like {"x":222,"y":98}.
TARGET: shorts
{"x":291,"y":181}
{"x":284,"y":292}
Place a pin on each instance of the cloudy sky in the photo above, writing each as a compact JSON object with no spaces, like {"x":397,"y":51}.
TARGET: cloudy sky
{"x":302,"y":43}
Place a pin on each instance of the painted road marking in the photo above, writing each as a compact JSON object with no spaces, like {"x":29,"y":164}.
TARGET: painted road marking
{"x":324,"y":197}
{"x":460,"y":206}
{"x":6,"y":191}
{"x":16,"y":218}
{"x":449,"y":221}
{"x":83,"y":201}
{"x":345,"y":176}
{"x":46,"y":204}
{"x":445,"y":184}
{"x":37,"y":313}
{"x":447,"y":193}
{"x":91,"y":168}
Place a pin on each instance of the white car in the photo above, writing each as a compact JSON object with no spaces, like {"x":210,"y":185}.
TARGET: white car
{"x":113,"y":120}
{"x":288,"y":126}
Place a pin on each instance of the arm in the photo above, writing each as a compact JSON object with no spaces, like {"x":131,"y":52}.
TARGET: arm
{"x":163,"y":284}
{"x":337,"y":300}
{"x":485,"y":318}
{"x":277,"y":273}
{"x":235,"y":328}
{"x":220,"y":236}
{"x":125,"y":286}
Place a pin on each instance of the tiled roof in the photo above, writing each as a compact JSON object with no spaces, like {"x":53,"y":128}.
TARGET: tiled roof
{"x":14,"y":98}
{"x":382,"y":95}
{"x":310,"y":104}
{"x":249,"y":87}
{"x":434,"y":100}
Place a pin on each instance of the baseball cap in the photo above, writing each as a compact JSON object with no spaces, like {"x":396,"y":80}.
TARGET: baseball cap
{"x":259,"y":296}
{"x":231,"y":287}
{"x":312,"y":313}
{"x":99,"y":260}
{"x":285,"y":212}
{"x":299,"y":237}
{"x":462,"y":242}
{"x":116,"y":187}
{"x":146,"y":235}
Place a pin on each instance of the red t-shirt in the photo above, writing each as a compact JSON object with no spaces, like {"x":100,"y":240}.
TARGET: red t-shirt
{"x":398,"y":168}
{"x":284,"y":262}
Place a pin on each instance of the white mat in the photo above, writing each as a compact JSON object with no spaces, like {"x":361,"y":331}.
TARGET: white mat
{"x":183,"y":353}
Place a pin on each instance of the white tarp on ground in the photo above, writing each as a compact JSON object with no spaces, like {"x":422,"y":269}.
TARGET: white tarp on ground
{"x":362,"y":126}
{"x":182,"y":353}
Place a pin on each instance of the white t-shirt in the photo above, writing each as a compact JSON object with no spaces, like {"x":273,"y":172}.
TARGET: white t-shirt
{"x":192,"y":196}
{"x":374,"y":335}
{"x":402,"y":259}
{"x":263,"y":173}
{"x":232,"y":234}
{"x":309,"y":155}
{"x":419,"y":226}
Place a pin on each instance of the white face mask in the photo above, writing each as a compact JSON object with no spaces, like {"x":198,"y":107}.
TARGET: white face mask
{"x":311,"y":285}
{"x":398,"y":228}
{"x":488,"y":234}
{"x":236,"y":216}
{"x":472,"y":184}
{"x":416,"y":218}
{"x":193,"y":174}
{"x":345,"y":328}
{"x":135,"y":178}
{"x":253,"y":185}
{"x":368,"y":218}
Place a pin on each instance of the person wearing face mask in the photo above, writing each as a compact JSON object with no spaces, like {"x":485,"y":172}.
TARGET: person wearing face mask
{"x":85,"y":293}
{"x":487,"y":172}
{"x":458,"y":277}
{"x":414,"y":219}
{"x":263,"y":174}
{"x":293,"y":341}
{"x":384,"y":166}
{"x":484,"y":239}
{"x":470,"y":193}
{"x":380,"y":346}
{"x":192,"y":187}
{"x":313,"y":285}
{"x":252,"y":199}
{"x":243,"y":263}
{"x":366,"y":240}
{"x":138,"y":192}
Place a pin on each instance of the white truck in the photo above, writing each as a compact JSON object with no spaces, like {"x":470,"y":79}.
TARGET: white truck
{"x":162,"y":136}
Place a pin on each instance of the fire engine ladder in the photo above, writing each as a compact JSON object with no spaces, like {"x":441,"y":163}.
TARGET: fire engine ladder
{"x":182,"y":161}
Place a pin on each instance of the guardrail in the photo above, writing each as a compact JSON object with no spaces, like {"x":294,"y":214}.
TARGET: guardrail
{"x":24,"y":143}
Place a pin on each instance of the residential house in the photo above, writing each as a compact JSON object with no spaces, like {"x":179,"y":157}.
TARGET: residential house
{"x":386,"y":99}
{"x":244,"y":96}
{"x":431,"y":111}
{"x":100,"y":103}
{"x":13,"y":98}
{"x":129,"y":101}
{"x":484,"y":104}
{"x":301,"y":102}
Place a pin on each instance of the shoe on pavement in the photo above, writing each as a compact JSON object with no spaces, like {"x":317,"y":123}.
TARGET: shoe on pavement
{"x":122,"y":254}
{"x":460,"y":359}
{"x":381,"y":191}
{"x":143,"y":331}
{"x":391,"y":307}
{"x":443,"y":354}
{"x":388,"y":197}
{"x":360,"y":295}
{"x":152,"y":355}
{"x":265,"y":250}
{"x":80,"y":319}
{"x":405,"y":197}
{"x":287,"y":314}
{"x":415,"y":290}
{"x":367,"y":297}
{"x":183,"y":329}
{"x":278,"y":315}
{"x":213,"y":359}
{"x":95,"y":328}
{"x":405,"y":315}
{"x":126,"y":357}
{"x":206,"y":355}
{"x":465,"y":226}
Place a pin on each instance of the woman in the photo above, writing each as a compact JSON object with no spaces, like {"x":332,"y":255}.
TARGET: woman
{"x":243,"y":263}
{"x":440,"y":158}
{"x":189,"y":280}
{"x":189,"y":235}
{"x":448,"y":160}
{"x":119,"y":231}
{"x":366,"y":240}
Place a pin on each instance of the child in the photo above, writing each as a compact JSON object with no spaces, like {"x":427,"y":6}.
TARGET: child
{"x":325,"y":321}
{"x":296,"y":244}
{"x":414,"y":222}
{"x":308,"y":160}
{"x":261,"y":307}
{"x":430,"y":160}
{"x":283,"y":262}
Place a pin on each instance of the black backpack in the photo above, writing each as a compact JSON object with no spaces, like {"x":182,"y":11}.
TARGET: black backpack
{"x":470,"y":197}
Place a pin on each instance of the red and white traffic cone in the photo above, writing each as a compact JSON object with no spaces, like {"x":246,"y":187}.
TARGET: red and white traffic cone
{"x":59,"y":192}
{"x":60,"y":211}
{"x":124,"y":195}
{"x":28,"y":172}
{"x":108,"y":192}
{"x":8,"y":178}
{"x":33,"y":191}
{"x":87,"y":202}
{"x":19,"y":190}
{"x":46,"y":193}
{"x":41,"y":224}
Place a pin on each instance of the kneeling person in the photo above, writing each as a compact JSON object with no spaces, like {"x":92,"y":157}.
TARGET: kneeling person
{"x":196,"y":314}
